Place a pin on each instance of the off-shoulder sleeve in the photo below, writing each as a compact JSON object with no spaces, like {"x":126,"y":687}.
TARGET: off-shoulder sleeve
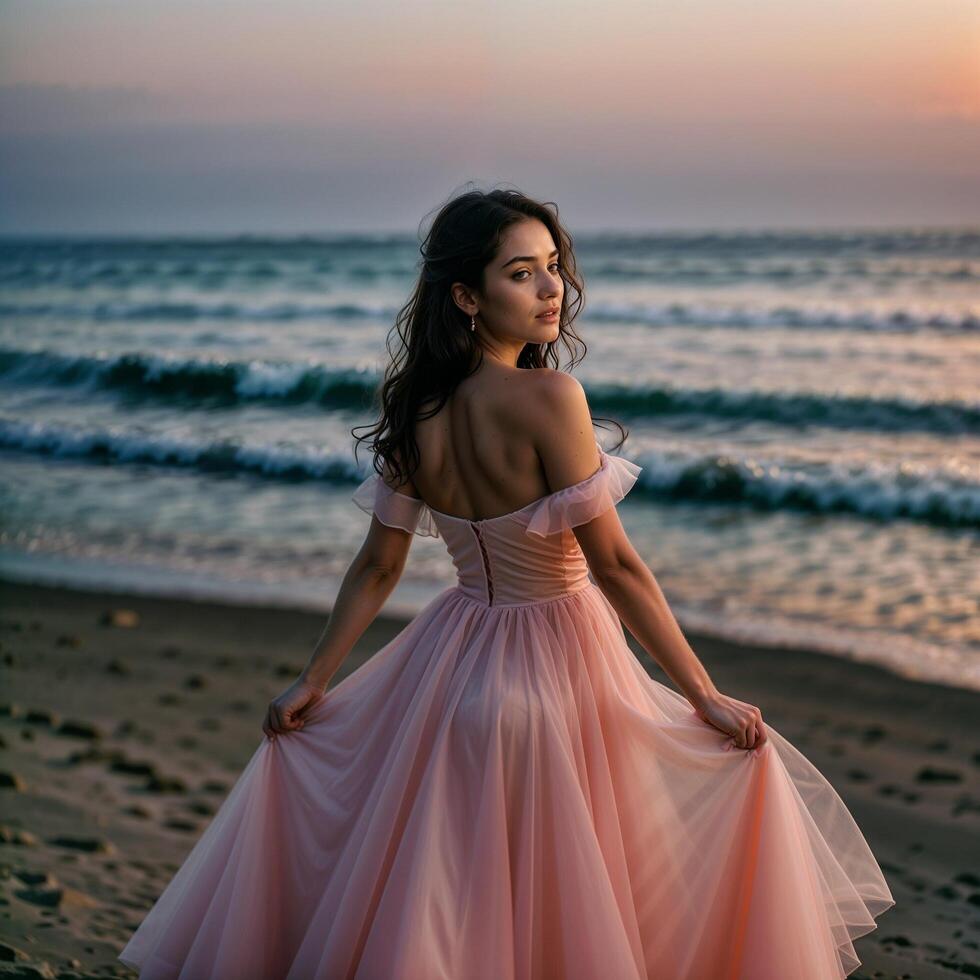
{"x":374,"y":496}
{"x":583,"y":501}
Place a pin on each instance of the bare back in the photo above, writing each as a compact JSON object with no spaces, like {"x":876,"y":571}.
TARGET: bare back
{"x":478,"y":454}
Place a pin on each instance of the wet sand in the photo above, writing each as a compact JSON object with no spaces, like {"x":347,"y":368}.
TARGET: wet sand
{"x":125,"y":720}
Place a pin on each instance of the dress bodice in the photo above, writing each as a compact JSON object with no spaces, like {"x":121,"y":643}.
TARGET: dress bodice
{"x":525,"y":556}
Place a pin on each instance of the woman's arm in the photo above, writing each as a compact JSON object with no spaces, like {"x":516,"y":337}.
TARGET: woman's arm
{"x":363,"y":592}
{"x":635,"y":594}
{"x":368,"y":582}
{"x":566,"y":445}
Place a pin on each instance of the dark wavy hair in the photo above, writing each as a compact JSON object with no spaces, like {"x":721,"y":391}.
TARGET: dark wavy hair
{"x":435,"y":348}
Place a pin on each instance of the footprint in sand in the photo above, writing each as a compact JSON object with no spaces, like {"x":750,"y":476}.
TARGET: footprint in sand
{"x":932,"y":774}
{"x":71,"y":728}
{"x":12,"y":780}
{"x":90,"y":845}
{"x":185,"y":826}
{"x":873,"y":734}
{"x":165,"y":784}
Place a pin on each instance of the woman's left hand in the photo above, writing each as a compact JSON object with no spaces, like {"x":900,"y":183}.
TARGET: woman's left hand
{"x":285,"y":711}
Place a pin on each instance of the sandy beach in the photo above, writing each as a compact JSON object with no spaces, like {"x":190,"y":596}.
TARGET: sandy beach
{"x":125,"y":720}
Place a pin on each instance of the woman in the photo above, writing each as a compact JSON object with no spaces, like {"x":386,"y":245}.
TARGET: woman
{"x":502,"y":791}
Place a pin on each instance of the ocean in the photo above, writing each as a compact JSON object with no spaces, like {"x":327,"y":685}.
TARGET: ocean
{"x":175,"y":418}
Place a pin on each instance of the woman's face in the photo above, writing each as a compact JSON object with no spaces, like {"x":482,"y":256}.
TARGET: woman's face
{"x":521,"y":283}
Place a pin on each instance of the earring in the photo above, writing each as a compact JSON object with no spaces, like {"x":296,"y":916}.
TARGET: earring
{"x":472,"y":323}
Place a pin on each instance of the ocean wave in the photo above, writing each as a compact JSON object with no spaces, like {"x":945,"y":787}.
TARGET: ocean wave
{"x":781,"y":270}
{"x":895,"y":319}
{"x":790,"y":408}
{"x":709,"y":268}
{"x":120,"y":445}
{"x":215,"y":382}
{"x":127,"y":311}
{"x":220,"y":382}
{"x":257,"y":253}
{"x":784,"y":315}
{"x":850,"y":243}
{"x":871,"y":490}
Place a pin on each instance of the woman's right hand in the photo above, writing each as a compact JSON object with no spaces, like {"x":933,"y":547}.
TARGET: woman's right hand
{"x":286,"y":713}
{"x":737,"y":719}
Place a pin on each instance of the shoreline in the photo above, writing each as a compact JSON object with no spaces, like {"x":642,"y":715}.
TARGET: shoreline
{"x":184,"y":689}
{"x":906,"y":655}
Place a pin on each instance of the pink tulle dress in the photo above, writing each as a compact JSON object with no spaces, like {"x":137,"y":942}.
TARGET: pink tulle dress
{"x":503,"y":793}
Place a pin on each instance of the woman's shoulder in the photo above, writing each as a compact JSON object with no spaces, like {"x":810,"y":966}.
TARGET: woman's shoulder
{"x":533,"y":405}
{"x":560,"y":384}
{"x":524,"y":406}
{"x":558,"y":399}
{"x":547,"y":386}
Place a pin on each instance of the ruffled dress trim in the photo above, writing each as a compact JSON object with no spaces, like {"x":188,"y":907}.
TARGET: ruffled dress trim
{"x":581,"y":502}
{"x":395,"y":509}
{"x":555,"y":512}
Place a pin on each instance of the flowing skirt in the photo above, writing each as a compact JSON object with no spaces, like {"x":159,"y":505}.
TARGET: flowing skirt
{"x":505,"y":793}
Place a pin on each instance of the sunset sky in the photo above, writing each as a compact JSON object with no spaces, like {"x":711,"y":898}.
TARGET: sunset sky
{"x":296,"y":116}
